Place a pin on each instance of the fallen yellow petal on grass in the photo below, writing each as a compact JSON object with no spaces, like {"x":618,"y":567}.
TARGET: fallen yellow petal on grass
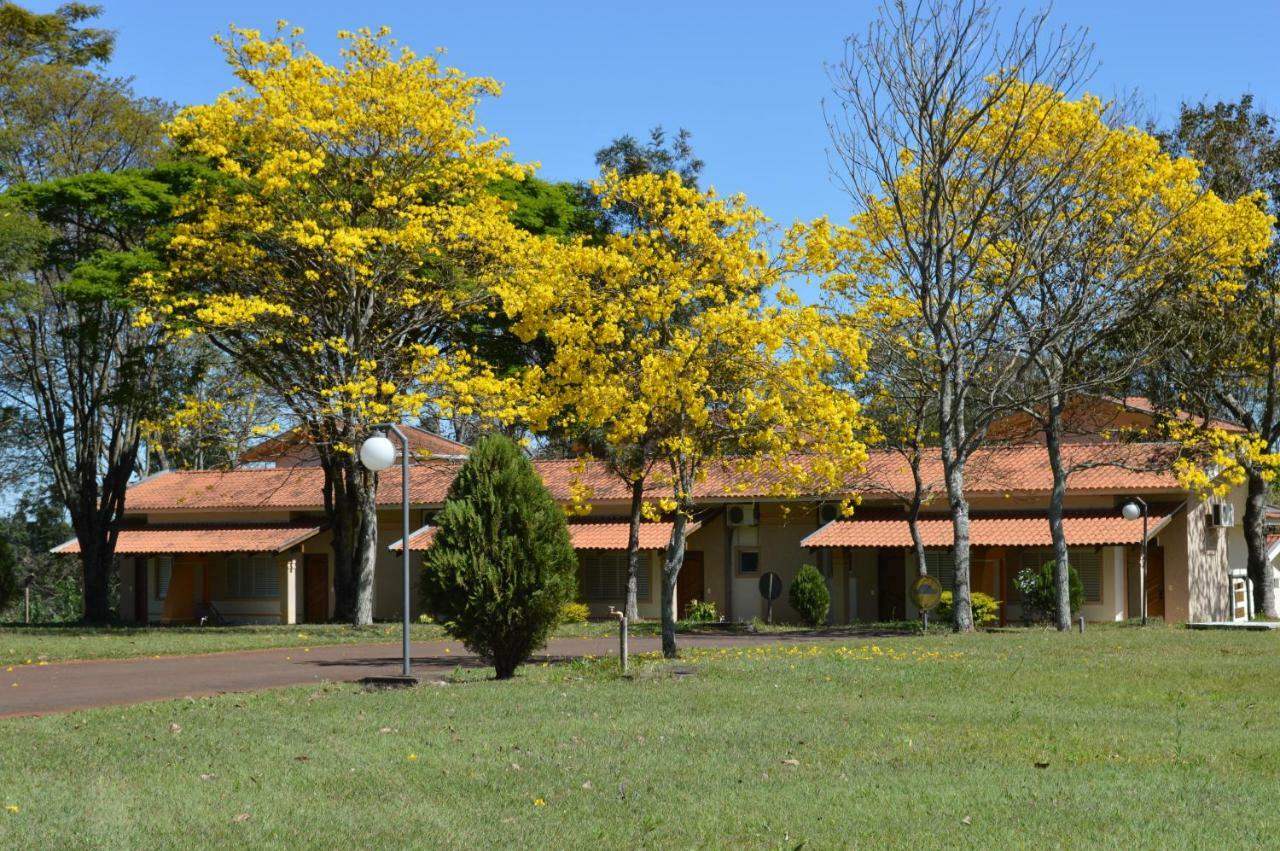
{"x":11,"y":808}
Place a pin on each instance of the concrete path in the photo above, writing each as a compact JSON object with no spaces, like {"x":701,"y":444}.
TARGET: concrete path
{"x":67,"y":686}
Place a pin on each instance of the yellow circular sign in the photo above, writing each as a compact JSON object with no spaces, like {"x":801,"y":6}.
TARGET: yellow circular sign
{"x":926,"y":592}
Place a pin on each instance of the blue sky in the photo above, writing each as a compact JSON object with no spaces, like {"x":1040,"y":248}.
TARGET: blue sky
{"x":746,"y":78}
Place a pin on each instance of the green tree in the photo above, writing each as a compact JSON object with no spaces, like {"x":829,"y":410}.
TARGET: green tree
{"x":1226,"y":363}
{"x":501,"y":566}
{"x":59,"y":116}
{"x":38,"y":524}
{"x":8,"y":569}
{"x":81,"y":375}
{"x":52,"y":38}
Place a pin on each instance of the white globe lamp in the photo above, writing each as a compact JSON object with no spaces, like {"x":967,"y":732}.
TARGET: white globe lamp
{"x":377,"y":453}
{"x":1131,"y":510}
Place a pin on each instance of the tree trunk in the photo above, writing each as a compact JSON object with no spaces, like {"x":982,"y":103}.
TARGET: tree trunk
{"x":913,"y":514}
{"x":1057,"y":500}
{"x":1255,"y":539}
{"x":351,"y":510}
{"x":96,"y":560}
{"x":670,"y":571}
{"x":633,"y":550}
{"x":953,"y":463}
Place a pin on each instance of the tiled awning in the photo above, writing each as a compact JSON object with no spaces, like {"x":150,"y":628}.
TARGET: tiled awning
{"x":583,"y":534}
{"x":215,"y":538}
{"x":418,"y":541}
{"x":1095,"y":528}
{"x":612,"y":535}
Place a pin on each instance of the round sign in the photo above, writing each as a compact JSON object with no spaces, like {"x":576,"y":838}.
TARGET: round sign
{"x":926,"y":592}
{"x":770,"y":586}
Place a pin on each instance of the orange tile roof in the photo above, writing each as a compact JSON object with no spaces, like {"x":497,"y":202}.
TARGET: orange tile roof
{"x":1029,"y":529}
{"x":419,"y":540}
{"x":1100,"y":468}
{"x":220,"y":538}
{"x":583,"y":534}
{"x":420,"y":441}
{"x":612,"y":535}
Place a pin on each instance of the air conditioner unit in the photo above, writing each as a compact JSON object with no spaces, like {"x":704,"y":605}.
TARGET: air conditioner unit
{"x":1224,"y":515}
{"x":742,"y":515}
{"x":828,"y":511}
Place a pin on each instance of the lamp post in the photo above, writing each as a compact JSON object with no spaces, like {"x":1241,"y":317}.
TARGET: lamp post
{"x":1134,"y":508}
{"x":377,"y":453}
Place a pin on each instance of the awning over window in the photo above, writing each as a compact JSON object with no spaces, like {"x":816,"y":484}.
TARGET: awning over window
{"x":1031,"y":529}
{"x":418,"y":541}
{"x":220,"y":538}
{"x":612,"y":535}
{"x":583,"y":534}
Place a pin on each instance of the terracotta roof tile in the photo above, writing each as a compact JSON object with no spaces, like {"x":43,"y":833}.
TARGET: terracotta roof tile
{"x":221,"y":538}
{"x":583,"y":534}
{"x":1095,"y":528}
{"x":1100,"y":468}
{"x":420,"y":441}
{"x":612,"y":535}
{"x":419,"y":540}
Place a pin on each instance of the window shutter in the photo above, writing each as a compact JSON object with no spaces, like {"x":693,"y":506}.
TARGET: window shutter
{"x":266,"y":578}
{"x":941,"y":565}
{"x":1087,"y":567}
{"x":164,"y":569}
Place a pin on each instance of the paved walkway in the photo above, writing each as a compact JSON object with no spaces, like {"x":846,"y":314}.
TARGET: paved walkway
{"x":67,"y":686}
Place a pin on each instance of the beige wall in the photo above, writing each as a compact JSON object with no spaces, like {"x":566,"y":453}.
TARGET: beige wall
{"x":1197,"y":584}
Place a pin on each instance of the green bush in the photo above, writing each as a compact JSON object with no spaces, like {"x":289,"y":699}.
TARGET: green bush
{"x":809,"y":596}
{"x":700,"y":611}
{"x":986,"y":609}
{"x":501,"y":568}
{"x":574,"y":613}
{"x":1039,"y":599}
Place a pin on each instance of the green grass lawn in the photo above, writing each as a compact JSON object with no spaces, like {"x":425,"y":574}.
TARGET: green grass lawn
{"x":21,"y":645}
{"x":1121,"y":737}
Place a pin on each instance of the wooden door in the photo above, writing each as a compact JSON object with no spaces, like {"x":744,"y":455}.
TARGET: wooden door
{"x":690,"y":582}
{"x":891,"y":584}
{"x":141,"y":601}
{"x":1155,"y":582}
{"x":315,"y":588}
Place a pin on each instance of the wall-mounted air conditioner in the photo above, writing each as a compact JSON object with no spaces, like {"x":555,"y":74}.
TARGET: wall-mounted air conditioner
{"x":742,"y":515}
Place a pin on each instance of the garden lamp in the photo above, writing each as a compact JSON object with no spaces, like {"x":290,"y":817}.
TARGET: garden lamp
{"x":377,"y":453}
{"x":1134,"y":508}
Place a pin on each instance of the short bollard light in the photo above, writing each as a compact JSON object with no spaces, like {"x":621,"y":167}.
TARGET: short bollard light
{"x":622,"y":638}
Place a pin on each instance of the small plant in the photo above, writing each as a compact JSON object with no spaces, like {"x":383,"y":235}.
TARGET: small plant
{"x":574,"y":613}
{"x":986,"y":609}
{"x":700,"y":611}
{"x":501,"y":567}
{"x":424,"y":618}
{"x":809,"y":596}
{"x":1039,"y":599}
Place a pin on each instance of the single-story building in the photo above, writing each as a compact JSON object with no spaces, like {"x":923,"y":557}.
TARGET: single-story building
{"x":251,"y":544}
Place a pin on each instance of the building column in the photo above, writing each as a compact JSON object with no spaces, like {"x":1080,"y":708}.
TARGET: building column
{"x":289,"y":588}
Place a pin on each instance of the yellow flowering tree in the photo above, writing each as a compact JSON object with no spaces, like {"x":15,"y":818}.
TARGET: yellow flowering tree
{"x":1226,"y":362}
{"x":678,"y":336}
{"x":344,"y":248}
{"x":1108,"y":234}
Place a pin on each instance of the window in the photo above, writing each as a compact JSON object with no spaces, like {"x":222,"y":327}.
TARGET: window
{"x":941,"y":564}
{"x":252,"y":576}
{"x":164,"y":570}
{"x":604,"y":576}
{"x":1087,"y":564}
{"x":749,"y":562}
